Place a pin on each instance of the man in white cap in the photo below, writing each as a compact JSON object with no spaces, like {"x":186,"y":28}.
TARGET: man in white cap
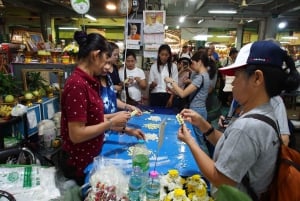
{"x":248,"y":148}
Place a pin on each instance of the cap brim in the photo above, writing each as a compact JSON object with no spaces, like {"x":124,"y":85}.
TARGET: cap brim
{"x":230,"y":70}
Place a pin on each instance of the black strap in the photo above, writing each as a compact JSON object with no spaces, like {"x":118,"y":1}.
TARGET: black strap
{"x":268,"y":120}
{"x":193,"y":96}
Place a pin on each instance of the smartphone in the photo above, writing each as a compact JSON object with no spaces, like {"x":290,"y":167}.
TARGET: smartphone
{"x":226,"y":121}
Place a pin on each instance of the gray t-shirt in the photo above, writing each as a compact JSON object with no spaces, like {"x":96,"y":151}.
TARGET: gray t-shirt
{"x":199,"y":100}
{"x":280,"y":114}
{"x":249,"y":146}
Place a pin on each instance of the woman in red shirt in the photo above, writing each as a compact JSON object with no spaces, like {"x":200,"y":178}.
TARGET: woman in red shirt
{"x":83,"y":124}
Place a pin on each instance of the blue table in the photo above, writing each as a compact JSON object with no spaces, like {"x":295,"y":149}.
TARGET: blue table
{"x":173,"y":153}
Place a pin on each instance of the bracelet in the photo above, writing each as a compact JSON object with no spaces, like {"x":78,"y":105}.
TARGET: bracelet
{"x":209,"y":131}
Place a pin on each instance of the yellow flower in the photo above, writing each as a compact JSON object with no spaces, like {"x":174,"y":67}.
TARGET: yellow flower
{"x":72,"y":48}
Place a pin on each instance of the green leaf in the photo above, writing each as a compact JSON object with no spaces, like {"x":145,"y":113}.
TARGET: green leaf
{"x":229,"y":193}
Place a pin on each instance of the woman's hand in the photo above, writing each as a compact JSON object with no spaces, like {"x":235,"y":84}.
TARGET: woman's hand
{"x":152,"y":85}
{"x":168,"y":80}
{"x":120,"y":119}
{"x":220,"y":121}
{"x":132,"y":108}
{"x":138,"y":133}
{"x":184,"y":134}
{"x":191,"y":116}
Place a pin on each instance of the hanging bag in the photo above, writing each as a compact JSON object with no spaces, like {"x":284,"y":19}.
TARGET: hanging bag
{"x":286,"y":180}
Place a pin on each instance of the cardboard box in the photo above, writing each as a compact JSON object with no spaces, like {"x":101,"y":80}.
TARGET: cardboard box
{"x":49,"y":107}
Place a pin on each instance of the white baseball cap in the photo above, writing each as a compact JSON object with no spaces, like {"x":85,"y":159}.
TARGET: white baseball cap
{"x":265,"y":53}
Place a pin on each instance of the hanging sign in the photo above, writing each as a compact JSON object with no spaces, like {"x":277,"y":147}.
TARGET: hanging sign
{"x":81,"y":6}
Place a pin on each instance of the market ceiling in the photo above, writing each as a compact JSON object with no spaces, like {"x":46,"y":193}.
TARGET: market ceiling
{"x":193,"y":10}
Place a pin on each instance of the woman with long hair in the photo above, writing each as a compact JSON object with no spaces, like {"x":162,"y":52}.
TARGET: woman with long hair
{"x":158,"y":72}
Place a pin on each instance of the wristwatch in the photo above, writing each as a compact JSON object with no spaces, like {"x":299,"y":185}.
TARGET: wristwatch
{"x":209,"y":131}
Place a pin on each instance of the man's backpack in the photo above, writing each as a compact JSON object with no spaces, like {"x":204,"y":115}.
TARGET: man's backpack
{"x":286,"y":180}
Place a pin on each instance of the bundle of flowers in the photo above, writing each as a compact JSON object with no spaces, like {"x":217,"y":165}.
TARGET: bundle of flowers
{"x":176,"y":188}
{"x":72,"y":49}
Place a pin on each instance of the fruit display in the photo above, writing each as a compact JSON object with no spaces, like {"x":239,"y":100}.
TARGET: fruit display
{"x":9,"y":99}
{"x":5,"y":111}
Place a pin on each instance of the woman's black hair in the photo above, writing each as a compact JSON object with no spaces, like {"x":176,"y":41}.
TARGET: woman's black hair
{"x":169,"y":62}
{"x":113,"y":46}
{"x":278,"y":79}
{"x":129,"y":53}
{"x":91,"y":42}
{"x":209,"y":64}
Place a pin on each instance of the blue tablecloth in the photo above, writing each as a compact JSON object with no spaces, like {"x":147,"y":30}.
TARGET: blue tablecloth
{"x":173,"y":153}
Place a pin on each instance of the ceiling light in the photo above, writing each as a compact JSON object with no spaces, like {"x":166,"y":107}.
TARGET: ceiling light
{"x":282,"y":25}
{"x":223,"y":36}
{"x":200,"y":21}
{"x":166,"y":27}
{"x":90,"y":17}
{"x":222,"y":11}
{"x":177,"y":27}
{"x":181,"y":19}
{"x":202,"y":37}
{"x":111,"y":6}
{"x":68,"y":28}
{"x":290,"y":37}
{"x":250,"y":21}
{"x":1,"y":4}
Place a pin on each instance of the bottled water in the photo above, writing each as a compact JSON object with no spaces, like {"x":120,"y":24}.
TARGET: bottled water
{"x":135,"y":184}
{"x":153,"y":187}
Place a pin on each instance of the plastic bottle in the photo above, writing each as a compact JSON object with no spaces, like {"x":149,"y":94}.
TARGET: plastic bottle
{"x":153,"y":187}
{"x":135,"y":184}
{"x":141,"y":156}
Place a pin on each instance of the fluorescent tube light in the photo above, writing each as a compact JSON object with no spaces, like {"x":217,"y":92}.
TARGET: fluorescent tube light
{"x":68,"y":28}
{"x":90,"y":17}
{"x":222,"y":11}
{"x":223,"y":36}
{"x":200,"y":21}
{"x":290,"y":37}
{"x":202,"y":37}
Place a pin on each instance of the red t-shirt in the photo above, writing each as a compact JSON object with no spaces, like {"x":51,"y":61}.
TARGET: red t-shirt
{"x":81,"y":102}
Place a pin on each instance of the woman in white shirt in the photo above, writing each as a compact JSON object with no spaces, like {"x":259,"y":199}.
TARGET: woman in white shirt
{"x":159,"y":70}
{"x":134,"y":78}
